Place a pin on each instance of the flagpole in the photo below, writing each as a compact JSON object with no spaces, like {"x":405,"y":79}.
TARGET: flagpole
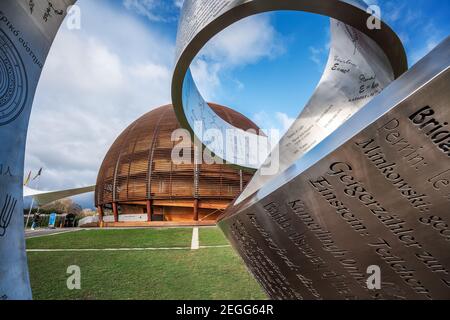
{"x":26,"y":183}
{"x":29,"y":212}
{"x":32,"y":198}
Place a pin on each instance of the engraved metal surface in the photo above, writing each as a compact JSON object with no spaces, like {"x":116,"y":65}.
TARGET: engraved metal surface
{"x":374,"y":193}
{"x":13,"y":81}
{"x":27,"y":30}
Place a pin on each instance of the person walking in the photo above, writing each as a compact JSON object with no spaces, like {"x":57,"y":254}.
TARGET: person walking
{"x":36,"y":220}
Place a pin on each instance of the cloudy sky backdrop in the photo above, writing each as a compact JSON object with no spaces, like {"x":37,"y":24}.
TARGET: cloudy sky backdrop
{"x":99,"y":79}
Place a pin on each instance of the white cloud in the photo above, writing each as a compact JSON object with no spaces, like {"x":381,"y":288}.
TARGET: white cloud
{"x":179,"y":3}
{"x":285,"y":120}
{"x":432,"y":37}
{"x":371,"y":2}
{"x":418,"y":54}
{"x":417,"y":30}
{"x":245,"y":42}
{"x":155,"y":10}
{"x":316,"y":56}
{"x":95,"y":83}
{"x":98,"y":80}
{"x":206,"y":77}
{"x":319,"y":54}
{"x":273,"y":120}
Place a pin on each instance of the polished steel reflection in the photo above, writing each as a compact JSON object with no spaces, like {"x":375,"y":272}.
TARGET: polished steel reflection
{"x":356,"y":54}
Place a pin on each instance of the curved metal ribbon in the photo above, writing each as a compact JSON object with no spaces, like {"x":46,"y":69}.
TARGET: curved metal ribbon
{"x":361,"y":63}
{"x":27,"y":30}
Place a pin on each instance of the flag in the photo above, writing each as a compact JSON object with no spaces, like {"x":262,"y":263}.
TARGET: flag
{"x":27,"y":180}
{"x":38,"y":174}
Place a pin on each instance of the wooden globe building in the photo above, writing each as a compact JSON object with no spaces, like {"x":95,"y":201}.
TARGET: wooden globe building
{"x":138,"y":177}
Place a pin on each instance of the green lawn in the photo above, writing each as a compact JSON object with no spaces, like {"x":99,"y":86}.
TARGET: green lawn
{"x":118,"y":238}
{"x":212,"y":237}
{"x":210,"y":273}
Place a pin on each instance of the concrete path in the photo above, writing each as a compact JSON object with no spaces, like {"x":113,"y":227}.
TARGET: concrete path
{"x":195,"y":242}
{"x":42,"y":232}
{"x":125,"y":249}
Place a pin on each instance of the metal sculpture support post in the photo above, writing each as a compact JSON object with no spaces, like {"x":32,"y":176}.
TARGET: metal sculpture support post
{"x":27,"y":29}
{"x":359,"y":204}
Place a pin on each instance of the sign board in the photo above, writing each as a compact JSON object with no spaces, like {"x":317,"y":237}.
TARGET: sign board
{"x":52,"y":220}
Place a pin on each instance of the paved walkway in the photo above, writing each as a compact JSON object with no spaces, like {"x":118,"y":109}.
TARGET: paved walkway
{"x":41,"y":232}
{"x":194,"y":242}
{"x":125,"y":249}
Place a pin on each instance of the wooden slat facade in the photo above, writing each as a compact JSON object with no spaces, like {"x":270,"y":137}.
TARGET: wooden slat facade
{"x":138,"y":168}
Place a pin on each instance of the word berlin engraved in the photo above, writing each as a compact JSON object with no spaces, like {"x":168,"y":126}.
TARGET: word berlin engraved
{"x":376,"y":198}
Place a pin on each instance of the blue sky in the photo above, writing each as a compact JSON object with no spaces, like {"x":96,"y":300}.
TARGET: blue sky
{"x":118,"y":67}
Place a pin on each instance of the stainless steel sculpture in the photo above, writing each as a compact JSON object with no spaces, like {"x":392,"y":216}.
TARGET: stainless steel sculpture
{"x":375,"y":192}
{"x":346,"y":200}
{"x":27,"y":29}
{"x":356,"y":52}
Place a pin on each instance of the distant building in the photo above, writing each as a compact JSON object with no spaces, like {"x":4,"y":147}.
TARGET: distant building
{"x":137,"y":176}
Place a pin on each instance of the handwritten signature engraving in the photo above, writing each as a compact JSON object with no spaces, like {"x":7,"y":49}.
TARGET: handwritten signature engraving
{"x":49,"y":11}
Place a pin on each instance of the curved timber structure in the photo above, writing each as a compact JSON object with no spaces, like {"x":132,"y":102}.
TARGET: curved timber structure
{"x":139,"y":177}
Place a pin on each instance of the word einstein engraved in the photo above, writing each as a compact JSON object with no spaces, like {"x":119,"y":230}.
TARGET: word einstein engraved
{"x":27,"y":30}
{"x":363,"y":181}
